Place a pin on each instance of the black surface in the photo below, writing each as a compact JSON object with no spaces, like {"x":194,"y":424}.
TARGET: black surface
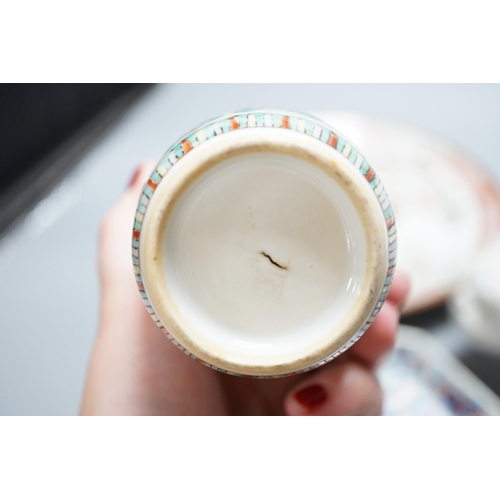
{"x":36,"y":118}
{"x":48,"y":130}
{"x":428,"y":319}
{"x":486,"y":366}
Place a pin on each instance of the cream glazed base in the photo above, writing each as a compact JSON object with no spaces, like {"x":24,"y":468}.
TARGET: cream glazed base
{"x":263,"y":251}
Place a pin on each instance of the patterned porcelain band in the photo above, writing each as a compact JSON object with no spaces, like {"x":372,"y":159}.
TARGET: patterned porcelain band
{"x":266,"y":118}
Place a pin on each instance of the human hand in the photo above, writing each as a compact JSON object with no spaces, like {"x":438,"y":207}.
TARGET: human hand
{"x":135,"y":370}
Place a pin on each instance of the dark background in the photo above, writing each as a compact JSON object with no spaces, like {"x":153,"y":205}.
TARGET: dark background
{"x":36,"y":118}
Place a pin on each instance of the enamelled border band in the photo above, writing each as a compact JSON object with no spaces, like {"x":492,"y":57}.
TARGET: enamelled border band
{"x":278,"y":119}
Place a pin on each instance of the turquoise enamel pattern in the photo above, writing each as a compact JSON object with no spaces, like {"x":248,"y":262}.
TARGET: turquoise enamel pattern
{"x":299,"y":122}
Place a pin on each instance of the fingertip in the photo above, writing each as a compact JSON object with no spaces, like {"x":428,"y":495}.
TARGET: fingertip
{"x":341,"y":388}
{"x":385,"y":325}
{"x":135,"y":177}
{"x":116,"y":228}
{"x":305,"y":400}
{"x":379,"y":339}
{"x":140,"y":176}
{"x":399,"y":289}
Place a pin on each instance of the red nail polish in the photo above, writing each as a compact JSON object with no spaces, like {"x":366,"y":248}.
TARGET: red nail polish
{"x":311,"y":397}
{"x":134,"y":178}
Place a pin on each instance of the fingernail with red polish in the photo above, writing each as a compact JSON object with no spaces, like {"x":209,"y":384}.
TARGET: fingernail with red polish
{"x":134,"y":178}
{"x":311,"y":397}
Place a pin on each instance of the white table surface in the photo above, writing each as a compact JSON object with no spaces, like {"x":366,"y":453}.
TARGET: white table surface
{"x":49,"y":288}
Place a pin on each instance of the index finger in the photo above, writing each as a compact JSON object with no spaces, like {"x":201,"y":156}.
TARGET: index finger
{"x":379,"y":339}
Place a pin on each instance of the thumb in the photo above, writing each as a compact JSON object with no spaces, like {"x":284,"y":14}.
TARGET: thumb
{"x":341,"y":388}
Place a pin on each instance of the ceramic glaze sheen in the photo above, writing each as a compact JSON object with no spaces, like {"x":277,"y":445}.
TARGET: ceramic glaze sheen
{"x":264,"y":251}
